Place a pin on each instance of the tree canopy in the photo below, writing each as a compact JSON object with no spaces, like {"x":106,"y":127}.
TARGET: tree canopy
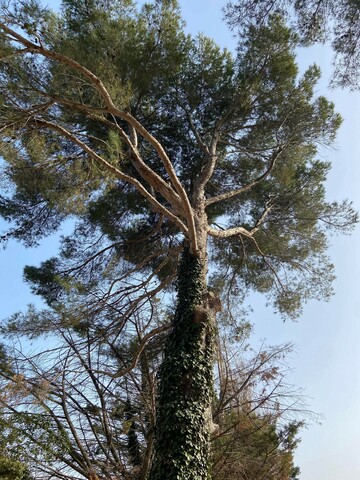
{"x":122,"y":164}
{"x":334,"y":22}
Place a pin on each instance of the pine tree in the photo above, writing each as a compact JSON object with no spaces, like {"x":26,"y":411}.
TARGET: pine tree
{"x":173,"y":156}
{"x":322,"y":21}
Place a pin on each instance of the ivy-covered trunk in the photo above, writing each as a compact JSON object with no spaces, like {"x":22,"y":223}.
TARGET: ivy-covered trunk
{"x":186,"y":381}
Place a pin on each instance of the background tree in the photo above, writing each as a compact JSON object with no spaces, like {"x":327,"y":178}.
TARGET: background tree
{"x":200,"y":152}
{"x":69,"y":419}
{"x":257,"y":413}
{"x":13,"y":465}
{"x":337,"y":22}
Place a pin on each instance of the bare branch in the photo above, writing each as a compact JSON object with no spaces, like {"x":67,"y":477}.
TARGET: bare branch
{"x":230,"y":232}
{"x":14,"y":54}
{"x":134,"y":362}
{"x":194,"y":130}
{"x":249,"y":186}
{"x":269,"y":206}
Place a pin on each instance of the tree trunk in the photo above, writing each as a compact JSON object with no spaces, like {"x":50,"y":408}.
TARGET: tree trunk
{"x":186,"y":381}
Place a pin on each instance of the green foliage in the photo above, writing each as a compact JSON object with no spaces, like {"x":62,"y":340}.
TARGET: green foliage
{"x":133,"y":444}
{"x":12,"y":469}
{"x":43,"y":279}
{"x":318,"y":21}
{"x":12,"y":464}
{"x":256,"y":448}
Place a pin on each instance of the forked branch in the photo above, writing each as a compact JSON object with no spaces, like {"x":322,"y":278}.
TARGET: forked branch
{"x":249,"y":186}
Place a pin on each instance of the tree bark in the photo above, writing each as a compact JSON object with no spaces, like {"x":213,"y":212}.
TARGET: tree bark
{"x":186,"y":380}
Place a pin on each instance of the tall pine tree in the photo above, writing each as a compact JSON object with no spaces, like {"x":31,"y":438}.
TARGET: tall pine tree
{"x":172,"y":155}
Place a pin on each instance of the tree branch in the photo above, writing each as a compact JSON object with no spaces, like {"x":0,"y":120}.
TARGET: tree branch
{"x":230,"y":232}
{"x":100,"y":87}
{"x":118,"y":173}
{"x":249,"y":186}
{"x":268,"y":207}
{"x":145,"y":339}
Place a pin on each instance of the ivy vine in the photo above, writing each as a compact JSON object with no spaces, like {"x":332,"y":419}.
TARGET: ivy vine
{"x":186,"y":383}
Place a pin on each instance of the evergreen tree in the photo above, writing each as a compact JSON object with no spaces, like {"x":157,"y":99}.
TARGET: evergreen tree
{"x":13,"y":466}
{"x":336,"y":22}
{"x":165,"y":149}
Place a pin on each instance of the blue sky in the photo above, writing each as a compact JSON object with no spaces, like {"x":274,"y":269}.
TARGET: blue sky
{"x":327,"y":356}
